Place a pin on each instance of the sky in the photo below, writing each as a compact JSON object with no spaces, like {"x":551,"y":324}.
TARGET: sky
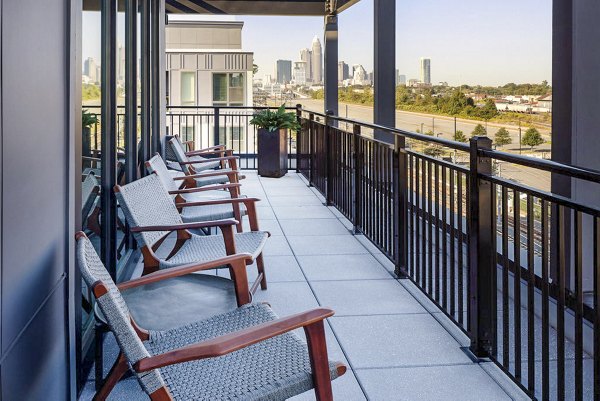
{"x":468,"y":41}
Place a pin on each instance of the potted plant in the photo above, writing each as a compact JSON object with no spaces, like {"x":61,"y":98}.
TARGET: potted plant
{"x":87,"y":121}
{"x":273,"y":127}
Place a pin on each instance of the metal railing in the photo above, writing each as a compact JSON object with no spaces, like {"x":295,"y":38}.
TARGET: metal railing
{"x":516,"y":268}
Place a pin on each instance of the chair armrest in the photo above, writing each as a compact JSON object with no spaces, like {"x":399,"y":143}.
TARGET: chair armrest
{"x":204,"y":189}
{"x":240,"y":259}
{"x":209,"y":149}
{"x":229,"y":343}
{"x":212,"y":159}
{"x":219,"y":202}
{"x":220,"y":152}
{"x":185,"y":226}
{"x":212,"y":173}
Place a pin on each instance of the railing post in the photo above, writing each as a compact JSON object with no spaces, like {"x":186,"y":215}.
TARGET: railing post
{"x":311,"y":149}
{"x":482,"y":272}
{"x":400,"y":178}
{"x":298,"y":136}
{"x":329,"y":157}
{"x":357,"y":182}
{"x":217,"y":126}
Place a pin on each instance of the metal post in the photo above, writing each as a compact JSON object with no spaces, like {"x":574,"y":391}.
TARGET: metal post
{"x":385,"y":67}
{"x":311,"y":149}
{"x":145,"y":78}
{"x":482,"y":272}
{"x":157,"y":73}
{"x":109,"y":134}
{"x":357,"y":156}
{"x":329,"y":158}
{"x":217,"y":127}
{"x":400,"y":178}
{"x":298,"y":136}
{"x":131,"y":9}
{"x":331,"y":63}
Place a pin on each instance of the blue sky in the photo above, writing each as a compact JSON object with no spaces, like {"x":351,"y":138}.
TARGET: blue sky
{"x":468,"y":41}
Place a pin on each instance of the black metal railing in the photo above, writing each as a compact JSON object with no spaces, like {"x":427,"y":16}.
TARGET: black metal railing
{"x":516,"y":268}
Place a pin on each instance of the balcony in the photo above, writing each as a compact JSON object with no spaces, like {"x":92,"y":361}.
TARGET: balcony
{"x":448,"y":281}
{"x":396,"y":342}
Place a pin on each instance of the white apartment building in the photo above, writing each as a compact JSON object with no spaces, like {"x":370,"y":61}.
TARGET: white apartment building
{"x":206,"y":66}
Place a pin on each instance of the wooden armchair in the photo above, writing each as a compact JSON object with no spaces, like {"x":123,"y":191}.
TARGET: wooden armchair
{"x":152,"y":216}
{"x":248,"y":353}
{"x":203,"y":171}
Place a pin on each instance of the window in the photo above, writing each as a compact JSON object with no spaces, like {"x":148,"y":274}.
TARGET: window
{"x":228,"y":89}
{"x":188,"y":88}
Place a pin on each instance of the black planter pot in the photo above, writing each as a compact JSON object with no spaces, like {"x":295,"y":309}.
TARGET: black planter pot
{"x":272,"y":153}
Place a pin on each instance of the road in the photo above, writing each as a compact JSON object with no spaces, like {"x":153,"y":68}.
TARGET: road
{"x":444,"y":127}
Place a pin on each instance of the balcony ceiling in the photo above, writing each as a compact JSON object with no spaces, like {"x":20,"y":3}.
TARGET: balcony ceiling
{"x":240,"y":7}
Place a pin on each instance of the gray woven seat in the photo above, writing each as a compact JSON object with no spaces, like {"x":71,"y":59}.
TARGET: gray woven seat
{"x":146,"y":203}
{"x":198,"y":213}
{"x":89,"y":192}
{"x":176,"y":152}
{"x":204,"y":248}
{"x":275,"y":367}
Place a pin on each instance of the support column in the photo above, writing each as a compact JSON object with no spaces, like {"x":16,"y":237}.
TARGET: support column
{"x":331,"y":64}
{"x":131,"y":10}
{"x":145,"y":80}
{"x":158,"y":68}
{"x":109,"y":134}
{"x":384,"y":111}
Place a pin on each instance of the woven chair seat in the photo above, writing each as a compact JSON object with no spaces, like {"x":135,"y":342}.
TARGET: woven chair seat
{"x":206,"y":248}
{"x":275,"y":369}
{"x":207,"y":195}
{"x":210,"y":212}
{"x":215,"y":179}
{"x":204,"y":166}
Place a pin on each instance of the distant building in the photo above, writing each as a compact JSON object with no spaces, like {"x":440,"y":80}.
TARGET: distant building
{"x":299,"y":73}
{"x":306,"y":56}
{"x":343,"y":71}
{"x":545,"y":102}
{"x":317,"y":61}
{"x":359,"y":75}
{"x":400,"y":79}
{"x":206,"y":66}
{"x":413,"y":82}
{"x":426,"y":70}
{"x":121,"y":64}
{"x":268,"y":78}
{"x":90,"y":69}
{"x":284,"y":71}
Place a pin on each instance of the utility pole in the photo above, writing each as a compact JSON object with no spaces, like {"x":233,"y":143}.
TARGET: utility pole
{"x":455,"y":126}
{"x":520,"y":150}
{"x":433,"y":124}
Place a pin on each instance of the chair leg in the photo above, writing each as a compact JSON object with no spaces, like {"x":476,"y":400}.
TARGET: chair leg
{"x":98,"y":354}
{"x":317,"y":351}
{"x":260,"y":265}
{"x":116,"y":372}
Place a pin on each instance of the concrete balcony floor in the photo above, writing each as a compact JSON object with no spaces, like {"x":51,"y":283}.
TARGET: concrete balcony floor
{"x":397,"y":345}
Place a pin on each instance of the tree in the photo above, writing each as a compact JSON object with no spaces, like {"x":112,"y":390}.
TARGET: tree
{"x":254,"y":69}
{"x":502,"y":137}
{"x":460,"y":137}
{"x":532,"y":138}
{"x":479,"y":131}
{"x":489,"y":110}
{"x":433,"y":150}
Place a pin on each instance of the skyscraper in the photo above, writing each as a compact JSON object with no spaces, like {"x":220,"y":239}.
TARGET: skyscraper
{"x":317,"y":61}
{"x":306,"y":56}
{"x":299,"y":73}
{"x":121,"y":63}
{"x":425,"y":70}
{"x":90,"y":69}
{"x":343,"y":71}
{"x":284,"y":71}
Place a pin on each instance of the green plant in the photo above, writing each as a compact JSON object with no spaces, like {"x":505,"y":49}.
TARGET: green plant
{"x":479,"y":131}
{"x":459,"y":136}
{"x":88,"y":119}
{"x":532,"y":138}
{"x":502,"y":137}
{"x":274,"y":120}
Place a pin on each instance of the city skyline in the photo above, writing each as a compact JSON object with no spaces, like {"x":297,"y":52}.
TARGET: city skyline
{"x":471,"y":42}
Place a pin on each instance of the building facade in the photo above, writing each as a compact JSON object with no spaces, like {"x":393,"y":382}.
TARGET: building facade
{"x":299,"y":73}
{"x":426,"y":70}
{"x":306,"y":56}
{"x":284,"y":71}
{"x":317,"y":61}
{"x":343,"y":71}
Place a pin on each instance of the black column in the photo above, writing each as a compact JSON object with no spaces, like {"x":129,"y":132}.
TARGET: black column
{"x":384,"y":112}
{"x":131,"y":10}
{"x":145,"y":80}
{"x":109,"y":133}
{"x":331,"y":64}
